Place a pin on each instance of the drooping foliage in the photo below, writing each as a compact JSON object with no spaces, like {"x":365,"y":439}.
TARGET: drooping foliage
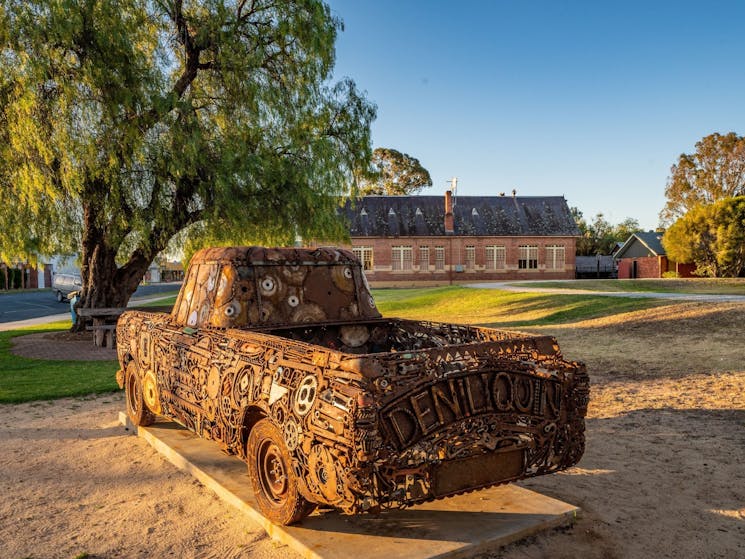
{"x":712,"y":236}
{"x":125,"y":122}
{"x":395,"y":173}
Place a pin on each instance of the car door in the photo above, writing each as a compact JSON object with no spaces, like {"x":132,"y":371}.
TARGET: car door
{"x":190,"y":391}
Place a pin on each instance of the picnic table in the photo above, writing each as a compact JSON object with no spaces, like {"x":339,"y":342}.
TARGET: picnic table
{"x":103,"y":324}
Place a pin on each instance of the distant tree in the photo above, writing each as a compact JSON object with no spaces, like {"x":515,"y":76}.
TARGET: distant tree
{"x":125,"y":122}
{"x":714,"y":172}
{"x":711,"y":236}
{"x":600,"y":236}
{"x":585,"y":243}
{"x":602,"y":231}
{"x":395,"y":173}
{"x":625,"y":229}
{"x":577,"y":215}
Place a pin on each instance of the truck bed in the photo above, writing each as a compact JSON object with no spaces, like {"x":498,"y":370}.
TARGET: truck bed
{"x":400,"y":335}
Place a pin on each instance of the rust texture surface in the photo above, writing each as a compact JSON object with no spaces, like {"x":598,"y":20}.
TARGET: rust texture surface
{"x":281,"y":357}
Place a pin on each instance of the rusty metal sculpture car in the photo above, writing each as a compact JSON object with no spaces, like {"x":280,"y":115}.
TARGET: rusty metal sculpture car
{"x":281,"y":356}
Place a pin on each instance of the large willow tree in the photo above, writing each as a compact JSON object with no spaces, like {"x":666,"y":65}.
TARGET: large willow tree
{"x":125,"y":122}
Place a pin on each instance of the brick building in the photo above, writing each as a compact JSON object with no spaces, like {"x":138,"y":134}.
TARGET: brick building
{"x":643,"y":256}
{"x":431,"y":240}
{"x":24,"y":276}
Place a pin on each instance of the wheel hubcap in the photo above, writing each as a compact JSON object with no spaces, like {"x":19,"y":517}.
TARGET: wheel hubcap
{"x":273,"y":472}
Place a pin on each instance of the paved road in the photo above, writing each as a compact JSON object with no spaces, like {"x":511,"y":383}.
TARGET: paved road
{"x":536,"y":288}
{"x":35,"y":304}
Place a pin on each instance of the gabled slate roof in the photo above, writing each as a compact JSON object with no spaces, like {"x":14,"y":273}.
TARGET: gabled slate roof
{"x":488,"y":216}
{"x":650,"y":239}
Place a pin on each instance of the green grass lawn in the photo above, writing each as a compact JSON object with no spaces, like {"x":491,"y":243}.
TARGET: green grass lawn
{"x":500,"y":308}
{"x":485,"y":306}
{"x":707,"y":286}
{"x":23,"y":380}
{"x":167,"y":299}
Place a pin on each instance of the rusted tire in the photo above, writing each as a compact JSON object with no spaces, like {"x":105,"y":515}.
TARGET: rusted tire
{"x":272,"y":477}
{"x":136,"y":409}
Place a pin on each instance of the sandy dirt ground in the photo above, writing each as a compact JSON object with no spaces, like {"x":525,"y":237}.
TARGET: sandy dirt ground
{"x":663,"y":474}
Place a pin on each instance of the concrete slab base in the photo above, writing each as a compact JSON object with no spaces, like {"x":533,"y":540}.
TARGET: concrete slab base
{"x":456,"y":527}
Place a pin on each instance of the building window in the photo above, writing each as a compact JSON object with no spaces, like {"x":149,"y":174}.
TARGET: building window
{"x":424,"y":259}
{"x":470,"y":257}
{"x":401,"y":258}
{"x":439,"y":259}
{"x":365,"y":255}
{"x":495,"y":257}
{"x":555,"y":257}
{"x":528,"y":259}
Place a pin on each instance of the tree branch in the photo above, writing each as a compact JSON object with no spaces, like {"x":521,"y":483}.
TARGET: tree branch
{"x":189,"y":73}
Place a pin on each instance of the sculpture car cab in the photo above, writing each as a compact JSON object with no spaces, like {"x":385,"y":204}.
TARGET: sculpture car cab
{"x":281,"y":357}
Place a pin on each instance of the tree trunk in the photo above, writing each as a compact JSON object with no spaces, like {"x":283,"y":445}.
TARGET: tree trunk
{"x":105,"y":285}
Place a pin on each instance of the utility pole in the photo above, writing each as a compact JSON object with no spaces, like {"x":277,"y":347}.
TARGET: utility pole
{"x":454,"y":189}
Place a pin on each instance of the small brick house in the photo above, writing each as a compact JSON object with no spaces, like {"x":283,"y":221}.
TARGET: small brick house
{"x":431,"y":240}
{"x":643,"y":256}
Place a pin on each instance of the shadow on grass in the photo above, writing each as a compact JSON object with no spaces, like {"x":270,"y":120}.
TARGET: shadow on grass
{"x":573,"y":311}
{"x":502,"y":308}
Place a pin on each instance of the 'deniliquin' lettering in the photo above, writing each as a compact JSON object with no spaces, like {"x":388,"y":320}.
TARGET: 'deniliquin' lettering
{"x":450,"y":400}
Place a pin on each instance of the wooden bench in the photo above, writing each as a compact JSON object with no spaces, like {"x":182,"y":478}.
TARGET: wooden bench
{"x":104,"y":325}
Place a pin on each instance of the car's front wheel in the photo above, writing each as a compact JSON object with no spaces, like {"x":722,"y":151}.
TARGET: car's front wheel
{"x":60,"y":297}
{"x":136,"y":409}
{"x":272,"y":477}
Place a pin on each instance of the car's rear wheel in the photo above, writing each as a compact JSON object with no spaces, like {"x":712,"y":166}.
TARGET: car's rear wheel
{"x":272,"y":477}
{"x":136,"y":409}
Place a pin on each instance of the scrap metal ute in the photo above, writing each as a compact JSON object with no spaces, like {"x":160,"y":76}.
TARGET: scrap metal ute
{"x":281,"y":356}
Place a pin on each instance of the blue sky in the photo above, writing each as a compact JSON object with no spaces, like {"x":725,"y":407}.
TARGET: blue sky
{"x":590,"y":100}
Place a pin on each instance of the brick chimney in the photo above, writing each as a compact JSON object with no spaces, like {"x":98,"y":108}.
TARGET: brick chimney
{"x":449,"y":220}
